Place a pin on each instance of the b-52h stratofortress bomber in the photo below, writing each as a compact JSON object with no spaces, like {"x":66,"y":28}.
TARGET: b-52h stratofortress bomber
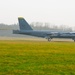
{"x":26,"y":29}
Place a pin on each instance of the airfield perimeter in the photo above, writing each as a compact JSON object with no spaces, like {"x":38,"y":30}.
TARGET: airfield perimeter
{"x":20,"y":56}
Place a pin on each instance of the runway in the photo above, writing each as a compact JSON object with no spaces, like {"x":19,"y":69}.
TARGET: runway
{"x":34,"y":39}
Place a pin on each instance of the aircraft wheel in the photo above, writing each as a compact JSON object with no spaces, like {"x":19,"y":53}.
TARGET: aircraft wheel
{"x":74,"y":39}
{"x":49,"y":39}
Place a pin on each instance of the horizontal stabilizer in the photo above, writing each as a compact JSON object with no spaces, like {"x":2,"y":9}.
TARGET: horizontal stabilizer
{"x":16,"y":31}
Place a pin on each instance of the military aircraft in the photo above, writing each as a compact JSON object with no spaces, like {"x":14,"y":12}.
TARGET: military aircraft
{"x":26,"y":29}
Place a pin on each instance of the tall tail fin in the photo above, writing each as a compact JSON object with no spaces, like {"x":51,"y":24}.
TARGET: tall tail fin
{"x":23,"y":24}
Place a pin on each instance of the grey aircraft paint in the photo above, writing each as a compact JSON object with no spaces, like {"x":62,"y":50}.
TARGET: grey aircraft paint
{"x":26,"y":29}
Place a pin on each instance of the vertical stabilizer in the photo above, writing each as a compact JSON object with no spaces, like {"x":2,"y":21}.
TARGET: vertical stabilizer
{"x":23,"y":24}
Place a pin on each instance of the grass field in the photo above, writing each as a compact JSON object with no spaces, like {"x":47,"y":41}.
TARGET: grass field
{"x":37,"y":58}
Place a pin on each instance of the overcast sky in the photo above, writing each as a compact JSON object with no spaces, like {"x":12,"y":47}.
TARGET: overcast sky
{"x":58,"y":12}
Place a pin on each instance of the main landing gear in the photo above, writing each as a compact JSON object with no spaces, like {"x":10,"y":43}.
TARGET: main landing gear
{"x":74,"y":39}
{"x":49,"y":39}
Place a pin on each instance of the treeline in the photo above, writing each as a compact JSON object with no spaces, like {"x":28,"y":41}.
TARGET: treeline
{"x":37,"y":26}
{"x":48,"y":26}
{"x":8,"y":27}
